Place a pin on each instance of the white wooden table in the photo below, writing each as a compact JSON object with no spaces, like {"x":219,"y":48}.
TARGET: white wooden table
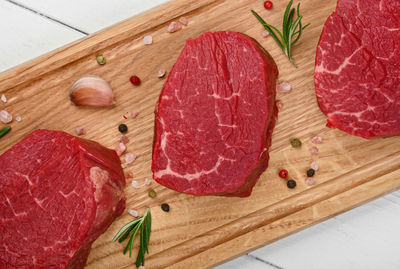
{"x":366,"y":237}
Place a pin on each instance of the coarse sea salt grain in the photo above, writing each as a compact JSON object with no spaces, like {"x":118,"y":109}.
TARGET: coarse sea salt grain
{"x":279,"y":104}
{"x":130,"y":158}
{"x":265,"y":33}
{"x":5,"y":117}
{"x":120,"y":148}
{"x":141,"y":267}
{"x":161,"y":73}
{"x":3,"y":98}
{"x":147,"y":40}
{"x":310,"y":181}
{"x":147,"y":181}
{"x":316,"y":139}
{"x":135,"y":184}
{"x":18,"y":118}
{"x":129,"y":174}
{"x":314,"y":166}
{"x":133,"y":213}
{"x":283,"y":87}
{"x":314,"y":150}
{"x":123,"y":139}
{"x":134,"y":114}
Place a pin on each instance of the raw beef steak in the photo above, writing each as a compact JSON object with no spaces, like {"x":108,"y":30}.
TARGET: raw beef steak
{"x":215,"y":116}
{"x":58,"y":193}
{"x":357,"y":68}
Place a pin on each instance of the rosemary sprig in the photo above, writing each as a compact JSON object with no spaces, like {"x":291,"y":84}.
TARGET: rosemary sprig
{"x":291,"y":29}
{"x":4,"y":131}
{"x":130,"y":230}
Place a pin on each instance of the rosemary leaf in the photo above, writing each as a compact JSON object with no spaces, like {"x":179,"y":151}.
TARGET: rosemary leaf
{"x":292,"y":29}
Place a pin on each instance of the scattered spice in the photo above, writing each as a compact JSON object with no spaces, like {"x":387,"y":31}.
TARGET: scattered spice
{"x":316,"y":140}
{"x":120,"y":149}
{"x":80,"y":131}
{"x":283,"y":87}
{"x":283,"y":173}
{"x":296,"y":143}
{"x":3,"y":98}
{"x":125,"y":117}
{"x":101,"y":60}
{"x":165,"y":207}
{"x":310,"y":181}
{"x":135,"y":184}
{"x":134,"y":114}
{"x":292,"y":29}
{"x":174,"y":26}
{"x":147,"y":181}
{"x":310,"y":172}
{"x":161,"y":73}
{"x":291,"y":184}
{"x":314,"y":150}
{"x":123,"y":128}
{"x":123,"y":139}
{"x":268,"y":4}
{"x":130,"y":158}
{"x":5,"y":117}
{"x":147,"y":40}
{"x":4,"y":131}
{"x":314,"y":166}
{"x":183,"y":21}
{"x":265,"y":33}
{"x":152,"y":193}
{"x":18,"y":118}
{"x":133,"y":213}
{"x":135,"y":80}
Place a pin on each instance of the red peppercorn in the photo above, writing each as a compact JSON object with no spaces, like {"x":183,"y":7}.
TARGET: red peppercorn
{"x":135,"y":80}
{"x":283,"y":173}
{"x":268,"y":4}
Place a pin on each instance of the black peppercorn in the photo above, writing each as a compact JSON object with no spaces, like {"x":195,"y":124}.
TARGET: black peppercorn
{"x":123,"y":128}
{"x":165,"y":207}
{"x":310,"y":172}
{"x":291,"y":184}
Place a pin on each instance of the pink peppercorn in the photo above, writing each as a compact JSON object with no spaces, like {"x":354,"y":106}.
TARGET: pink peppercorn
{"x":268,"y":4}
{"x":135,"y":80}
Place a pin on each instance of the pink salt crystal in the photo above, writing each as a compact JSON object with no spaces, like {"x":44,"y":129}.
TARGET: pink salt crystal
{"x":123,"y":139}
{"x":147,"y":181}
{"x":129,"y":174}
{"x":310,"y":181}
{"x":279,"y":104}
{"x":183,"y":21}
{"x":129,"y":158}
{"x":174,"y":26}
{"x":80,"y":131}
{"x":314,"y":166}
{"x":283,"y":87}
{"x":135,"y":184}
{"x":314,"y":150}
{"x":141,"y":267}
{"x":134,"y":114}
{"x":5,"y":117}
{"x":120,"y":149}
{"x":147,"y":40}
{"x":316,"y":140}
{"x":3,"y":98}
{"x":265,"y":33}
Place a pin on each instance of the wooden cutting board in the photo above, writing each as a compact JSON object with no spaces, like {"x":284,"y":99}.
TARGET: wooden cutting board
{"x":201,"y":232}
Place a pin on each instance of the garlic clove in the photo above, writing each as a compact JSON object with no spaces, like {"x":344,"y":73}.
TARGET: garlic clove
{"x":91,"y":90}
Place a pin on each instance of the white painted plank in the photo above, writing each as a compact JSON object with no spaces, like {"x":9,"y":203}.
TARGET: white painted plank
{"x":367,"y":237}
{"x":246,"y":262}
{"x":90,"y":15}
{"x":25,"y":35}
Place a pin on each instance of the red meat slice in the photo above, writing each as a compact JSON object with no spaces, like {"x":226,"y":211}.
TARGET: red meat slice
{"x":215,"y":116}
{"x":357,"y":70}
{"x":58,"y":193}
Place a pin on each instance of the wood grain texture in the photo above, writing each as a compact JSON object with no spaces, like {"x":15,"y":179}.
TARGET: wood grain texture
{"x":203,"y":231}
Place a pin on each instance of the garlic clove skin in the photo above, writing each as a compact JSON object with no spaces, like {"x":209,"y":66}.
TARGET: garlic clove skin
{"x":91,"y":90}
